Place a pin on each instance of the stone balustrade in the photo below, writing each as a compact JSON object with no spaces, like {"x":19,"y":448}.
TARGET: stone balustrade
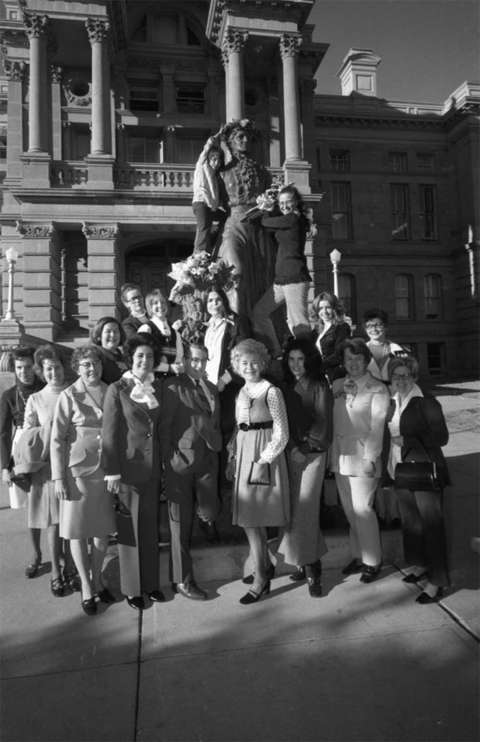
{"x":69,"y":174}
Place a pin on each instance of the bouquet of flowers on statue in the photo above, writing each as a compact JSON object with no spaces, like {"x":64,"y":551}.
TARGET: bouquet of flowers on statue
{"x":266,"y":201}
{"x":198,"y":274}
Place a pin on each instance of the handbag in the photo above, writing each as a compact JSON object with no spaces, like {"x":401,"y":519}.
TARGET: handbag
{"x":260,"y":473}
{"x":417,"y":476}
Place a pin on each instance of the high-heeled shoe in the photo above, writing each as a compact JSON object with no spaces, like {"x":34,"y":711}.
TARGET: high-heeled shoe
{"x":252,"y":596}
{"x":249,"y":579}
{"x":89,"y":606}
{"x":424,"y":598}
{"x":31,"y":570}
{"x":412,"y":578}
{"x":298,"y":576}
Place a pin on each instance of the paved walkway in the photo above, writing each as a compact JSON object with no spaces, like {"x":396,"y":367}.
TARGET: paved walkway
{"x":364,"y":662}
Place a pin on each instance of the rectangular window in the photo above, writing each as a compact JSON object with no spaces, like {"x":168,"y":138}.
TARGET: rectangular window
{"x":399,"y":197}
{"x":398,"y":162}
{"x":403,"y":289}
{"x":436,"y":357}
{"x":428,"y":211}
{"x":143,"y":98}
{"x":432,"y":289}
{"x":190,"y":99}
{"x":340,"y":160}
{"x":425,"y":161}
{"x":341,"y":199}
{"x":143,"y":149}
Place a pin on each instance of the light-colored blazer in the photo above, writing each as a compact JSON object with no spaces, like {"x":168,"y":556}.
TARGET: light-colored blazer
{"x":76,"y":440}
{"x":358,"y":425}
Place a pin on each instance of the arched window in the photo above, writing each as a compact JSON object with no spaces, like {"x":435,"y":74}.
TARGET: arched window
{"x":346,"y":291}
{"x":403,"y":296}
{"x":432,"y":292}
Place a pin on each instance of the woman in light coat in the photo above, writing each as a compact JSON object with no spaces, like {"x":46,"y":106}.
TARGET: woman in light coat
{"x":360,"y":408}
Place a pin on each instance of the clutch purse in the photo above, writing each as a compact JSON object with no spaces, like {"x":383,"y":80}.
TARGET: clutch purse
{"x":260,"y":473}
{"x":417,"y":476}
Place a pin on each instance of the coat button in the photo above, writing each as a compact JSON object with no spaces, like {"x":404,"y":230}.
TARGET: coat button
{"x":148,"y":435}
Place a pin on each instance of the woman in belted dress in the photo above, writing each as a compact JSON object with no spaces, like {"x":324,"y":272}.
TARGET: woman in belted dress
{"x":262,"y":434}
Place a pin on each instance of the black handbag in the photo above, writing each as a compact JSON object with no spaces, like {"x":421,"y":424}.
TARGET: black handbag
{"x":259,"y":474}
{"x":417,"y":476}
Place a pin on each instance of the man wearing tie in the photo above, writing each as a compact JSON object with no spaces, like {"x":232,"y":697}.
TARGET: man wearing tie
{"x":191,"y":441}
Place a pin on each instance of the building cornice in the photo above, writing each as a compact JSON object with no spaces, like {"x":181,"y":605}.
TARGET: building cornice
{"x":376,"y":122}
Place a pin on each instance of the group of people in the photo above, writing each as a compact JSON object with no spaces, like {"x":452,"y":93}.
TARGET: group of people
{"x":151,"y":412}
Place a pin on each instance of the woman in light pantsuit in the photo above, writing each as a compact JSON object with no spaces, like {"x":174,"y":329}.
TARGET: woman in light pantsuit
{"x":360,"y":408}
{"x":309,"y":408}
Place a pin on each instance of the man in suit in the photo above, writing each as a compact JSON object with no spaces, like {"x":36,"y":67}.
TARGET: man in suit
{"x":191,"y":441}
{"x":132,"y":299}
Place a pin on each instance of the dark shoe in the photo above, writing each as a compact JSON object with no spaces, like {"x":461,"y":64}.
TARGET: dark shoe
{"x":425,"y":598}
{"x":89,"y":606}
{"x":369,"y":574}
{"x":190,"y":590}
{"x":157,"y":596}
{"x":209,"y":530}
{"x":136,"y":602}
{"x":413,"y":579}
{"x":352,"y":568}
{"x":298,"y":576}
{"x":314,"y":587}
{"x":106,"y":596}
{"x":57,"y":587}
{"x":32,"y":569}
{"x":72,"y":580}
{"x":253,"y":597}
{"x":248,"y":580}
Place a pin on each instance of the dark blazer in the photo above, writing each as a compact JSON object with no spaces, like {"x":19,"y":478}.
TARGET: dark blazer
{"x":309,"y":416}
{"x":131,"y":324}
{"x":12,"y":410}
{"x":330,"y":344}
{"x":113,"y":365}
{"x":290,"y":234}
{"x":187,"y":428}
{"x":237,"y":328}
{"x":131,"y":434}
{"x":422,"y":421}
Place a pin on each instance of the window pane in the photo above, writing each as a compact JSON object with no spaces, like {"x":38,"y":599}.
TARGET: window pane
{"x":341,"y":211}
{"x":190,"y":99}
{"x":398,"y":162}
{"x":428,"y":215}
{"x":435,"y":357}
{"x":432,"y":289}
{"x":399,"y":197}
{"x":403,"y":297}
{"x":346,"y":290}
{"x":340,"y":160}
{"x":425,"y":160}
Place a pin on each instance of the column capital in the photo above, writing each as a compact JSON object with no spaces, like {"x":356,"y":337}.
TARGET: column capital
{"x":35,"y":230}
{"x":56,"y":73}
{"x":234,"y":41}
{"x":97,"y":29}
{"x":15,"y":70}
{"x":100,"y":231}
{"x":35,"y":25}
{"x":289,"y":45}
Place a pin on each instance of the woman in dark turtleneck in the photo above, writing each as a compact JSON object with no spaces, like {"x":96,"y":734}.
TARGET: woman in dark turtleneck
{"x":12,"y":411}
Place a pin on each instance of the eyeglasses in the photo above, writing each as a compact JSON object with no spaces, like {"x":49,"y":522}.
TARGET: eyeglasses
{"x":401,"y":376}
{"x":375,"y":326}
{"x":135,"y":298}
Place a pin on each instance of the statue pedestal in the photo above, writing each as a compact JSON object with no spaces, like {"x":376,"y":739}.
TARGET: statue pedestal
{"x":11,"y":332}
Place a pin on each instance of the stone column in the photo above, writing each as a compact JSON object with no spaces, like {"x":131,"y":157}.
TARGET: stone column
{"x":15,"y":72}
{"x":36,"y":28}
{"x":97,"y":30}
{"x":56,"y":79}
{"x":232,"y":53}
{"x":41,"y":280}
{"x":102,"y":259}
{"x":289,"y":47}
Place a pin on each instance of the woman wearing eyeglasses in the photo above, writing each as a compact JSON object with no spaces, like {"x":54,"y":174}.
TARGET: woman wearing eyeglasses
{"x":86,"y":508}
{"x":375,"y":322}
{"x":418,"y":431}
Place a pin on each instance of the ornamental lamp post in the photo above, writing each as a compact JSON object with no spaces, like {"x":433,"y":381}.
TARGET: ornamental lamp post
{"x":335,"y":258}
{"x":12,"y":256}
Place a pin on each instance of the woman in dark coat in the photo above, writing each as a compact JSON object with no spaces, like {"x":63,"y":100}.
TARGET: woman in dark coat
{"x":417,"y":431}
{"x":331,"y":331}
{"x":131,"y":460}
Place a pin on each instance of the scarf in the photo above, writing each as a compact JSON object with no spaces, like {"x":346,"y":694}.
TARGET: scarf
{"x":142,"y":391}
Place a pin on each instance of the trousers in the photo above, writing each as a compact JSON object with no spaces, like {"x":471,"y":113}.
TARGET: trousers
{"x":357,"y":495}
{"x":294,"y":295}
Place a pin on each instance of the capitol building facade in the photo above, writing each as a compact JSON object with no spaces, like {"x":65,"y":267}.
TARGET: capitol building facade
{"x":105,"y":107}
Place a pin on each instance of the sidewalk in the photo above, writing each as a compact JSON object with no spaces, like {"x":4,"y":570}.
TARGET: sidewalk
{"x":364,"y":662}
